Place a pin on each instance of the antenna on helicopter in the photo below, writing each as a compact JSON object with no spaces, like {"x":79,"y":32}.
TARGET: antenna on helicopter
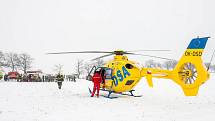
{"x":211,"y":61}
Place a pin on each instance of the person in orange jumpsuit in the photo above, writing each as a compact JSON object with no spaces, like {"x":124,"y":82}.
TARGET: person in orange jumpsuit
{"x":96,"y":81}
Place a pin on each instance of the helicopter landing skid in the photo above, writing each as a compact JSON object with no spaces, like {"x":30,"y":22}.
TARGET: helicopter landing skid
{"x":131,"y":94}
{"x":110,"y":92}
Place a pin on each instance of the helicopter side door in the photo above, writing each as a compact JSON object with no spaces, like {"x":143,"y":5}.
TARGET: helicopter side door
{"x":106,"y":73}
{"x":91,"y":73}
{"x":107,"y":78}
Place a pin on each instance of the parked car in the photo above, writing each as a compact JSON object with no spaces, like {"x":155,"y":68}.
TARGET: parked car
{"x":34,"y":76}
{"x":13,"y":75}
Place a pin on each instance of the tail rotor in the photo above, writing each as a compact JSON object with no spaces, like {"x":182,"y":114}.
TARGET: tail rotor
{"x":188,"y":73}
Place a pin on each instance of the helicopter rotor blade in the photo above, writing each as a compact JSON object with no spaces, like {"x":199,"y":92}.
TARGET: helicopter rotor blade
{"x":111,"y":53}
{"x":82,"y":52}
{"x":150,"y":56}
{"x":148,"y":50}
{"x":102,"y":56}
{"x":123,"y":52}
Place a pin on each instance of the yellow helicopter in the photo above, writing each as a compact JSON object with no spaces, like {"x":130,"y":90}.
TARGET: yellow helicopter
{"x":122,"y":74}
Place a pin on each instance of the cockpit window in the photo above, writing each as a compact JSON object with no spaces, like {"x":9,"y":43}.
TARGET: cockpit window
{"x":108,"y":73}
{"x":129,"y":66}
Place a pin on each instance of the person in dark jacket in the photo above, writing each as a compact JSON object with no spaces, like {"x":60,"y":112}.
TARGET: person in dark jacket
{"x":96,"y":81}
{"x":59,"y":79}
{"x":103,"y":78}
{"x":5,"y":77}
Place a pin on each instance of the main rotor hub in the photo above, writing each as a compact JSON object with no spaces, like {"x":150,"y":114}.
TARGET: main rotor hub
{"x":119,"y":52}
{"x":121,"y":57}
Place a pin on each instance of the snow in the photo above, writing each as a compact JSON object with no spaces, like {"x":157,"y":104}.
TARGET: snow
{"x":44,"y":102}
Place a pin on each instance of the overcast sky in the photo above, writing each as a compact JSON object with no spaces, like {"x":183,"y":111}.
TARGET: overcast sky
{"x":40,"y":26}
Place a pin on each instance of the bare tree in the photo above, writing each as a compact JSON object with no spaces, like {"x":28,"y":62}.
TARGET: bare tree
{"x":11,"y":61}
{"x":158,"y":65}
{"x":167,"y":65}
{"x":99,"y":62}
{"x":88,"y":67}
{"x":58,"y":68}
{"x":174,"y":63}
{"x":1,"y":58}
{"x":170,"y":64}
{"x":150,"y":64}
{"x":79,"y":67}
{"x":24,"y":62}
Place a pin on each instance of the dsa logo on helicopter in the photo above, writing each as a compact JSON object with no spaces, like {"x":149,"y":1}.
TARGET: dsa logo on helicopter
{"x":120,"y":76}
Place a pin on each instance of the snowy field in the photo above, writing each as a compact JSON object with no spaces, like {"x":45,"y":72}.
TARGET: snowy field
{"x":164,"y":102}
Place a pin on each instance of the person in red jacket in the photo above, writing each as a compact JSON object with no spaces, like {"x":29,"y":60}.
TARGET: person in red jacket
{"x":96,"y":81}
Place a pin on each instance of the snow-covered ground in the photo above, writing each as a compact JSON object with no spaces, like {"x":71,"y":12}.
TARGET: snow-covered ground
{"x":164,"y":102}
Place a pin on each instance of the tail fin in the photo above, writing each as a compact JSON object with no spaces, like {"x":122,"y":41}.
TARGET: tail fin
{"x":190,"y":72}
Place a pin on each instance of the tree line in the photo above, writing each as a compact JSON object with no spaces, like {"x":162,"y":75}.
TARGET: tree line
{"x":23,"y":62}
{"x":15,"y":61}
{"x":170,"y":65}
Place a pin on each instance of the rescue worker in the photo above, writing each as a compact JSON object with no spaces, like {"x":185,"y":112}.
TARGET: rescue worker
{"x":59,"y":79}
{"x":96,"y":81}
{"x":19,"y":78}
{"x":103,"y":78}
